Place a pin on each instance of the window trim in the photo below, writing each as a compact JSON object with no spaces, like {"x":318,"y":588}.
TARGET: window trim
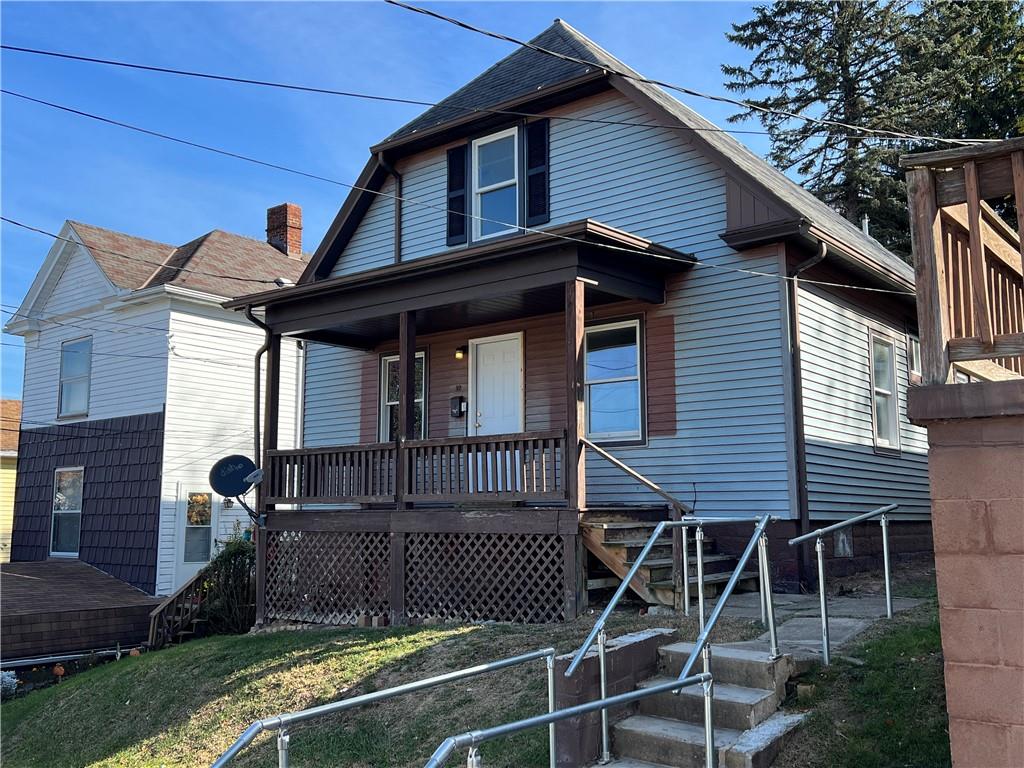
{"x":638,"y":438}
{"x":913,"y":372}
{"x":476,"y":192}
{"x":184,"y":535}
{"x":382,"y":390}
{"x":87,"y":376}
{"x":884,"y":446}
{"x":54,"y":512}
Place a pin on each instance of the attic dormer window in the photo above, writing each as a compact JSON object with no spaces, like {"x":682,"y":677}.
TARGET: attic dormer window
{"x":496,"y":184}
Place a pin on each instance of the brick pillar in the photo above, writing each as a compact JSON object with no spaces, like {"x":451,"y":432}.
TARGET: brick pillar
{"x":976,"y":467}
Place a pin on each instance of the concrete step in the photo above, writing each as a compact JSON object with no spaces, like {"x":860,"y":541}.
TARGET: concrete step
{"x":664,"y":741}
{"x":660,"y":741}
{"x":734,"y":706}
{"x":734,"y":666}
{"x":627,"y":762}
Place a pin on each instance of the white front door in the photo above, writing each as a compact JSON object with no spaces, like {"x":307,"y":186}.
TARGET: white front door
{"x":496,"y":385}
{"x":197,"y":522}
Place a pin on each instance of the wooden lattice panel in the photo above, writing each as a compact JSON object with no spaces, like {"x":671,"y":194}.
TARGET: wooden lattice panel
{"x":327,"y":577}
{"x":480,"y":576}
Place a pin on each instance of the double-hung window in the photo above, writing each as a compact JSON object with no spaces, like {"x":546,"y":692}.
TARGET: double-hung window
{"x":885,"y":399}
{"x":613,"y":380}
{"x":914,"y":356}
{"x":66,"y":526}
{"x":389,"y":386}
{"x":73,"y":388}
{"x":496,"y":184}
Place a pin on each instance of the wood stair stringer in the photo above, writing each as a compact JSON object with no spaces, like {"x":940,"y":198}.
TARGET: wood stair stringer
{"x":618,"y":566}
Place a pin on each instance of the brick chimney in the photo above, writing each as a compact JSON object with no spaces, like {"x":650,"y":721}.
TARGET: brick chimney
{"x":284,"y":229}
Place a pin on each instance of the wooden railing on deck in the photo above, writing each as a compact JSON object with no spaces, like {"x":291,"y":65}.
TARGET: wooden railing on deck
{"x":509,"y":467}
{"x":333,"y":475}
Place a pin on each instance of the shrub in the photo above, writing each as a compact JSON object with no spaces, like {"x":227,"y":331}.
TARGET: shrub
{"x":8,"y":685}
{"x":230,"y":584}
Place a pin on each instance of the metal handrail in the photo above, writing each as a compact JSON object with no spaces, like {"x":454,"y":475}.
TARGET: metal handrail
{"x":280,"y":723}
{"x":819,"y":549}
{"x":472,"y":739}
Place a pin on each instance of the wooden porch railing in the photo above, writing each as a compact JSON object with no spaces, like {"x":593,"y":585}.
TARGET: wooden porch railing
{"x":516,"y":466}
{"x":175,"y":615}
{"x":509,"y":467}
{"x":332,"y":475}
{"x":970,"y":281}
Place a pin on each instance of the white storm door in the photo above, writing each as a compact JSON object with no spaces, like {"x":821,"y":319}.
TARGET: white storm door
{"x":496,"y":385}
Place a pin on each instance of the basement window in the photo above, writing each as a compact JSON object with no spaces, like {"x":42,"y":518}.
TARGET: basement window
{"x":884,"y":402}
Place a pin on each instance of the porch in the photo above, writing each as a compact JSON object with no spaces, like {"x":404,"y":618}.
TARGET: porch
{"x":461,"y":497}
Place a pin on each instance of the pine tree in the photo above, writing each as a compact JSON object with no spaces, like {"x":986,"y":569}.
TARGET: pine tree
{"x":939,"y":68}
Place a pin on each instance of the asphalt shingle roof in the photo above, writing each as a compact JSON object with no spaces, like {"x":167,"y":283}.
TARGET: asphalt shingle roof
{"x":215,"y":253}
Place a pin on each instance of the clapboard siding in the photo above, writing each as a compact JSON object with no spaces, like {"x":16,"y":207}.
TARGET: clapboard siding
{"x":729,"y":442}
{"x":79,"y":284}
{"x":844,"y":472}
{"x":373,"y":244}
{"x":209,"y":415}
{"x":129,"y":363}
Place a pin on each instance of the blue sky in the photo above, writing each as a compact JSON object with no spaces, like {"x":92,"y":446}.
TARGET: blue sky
{"x":55,"y":166}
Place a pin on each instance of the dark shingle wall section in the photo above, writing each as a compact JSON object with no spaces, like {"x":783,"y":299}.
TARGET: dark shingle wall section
{"x":121,"y":493}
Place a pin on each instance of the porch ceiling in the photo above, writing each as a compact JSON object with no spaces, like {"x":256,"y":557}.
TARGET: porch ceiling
{"x":515,"y":277}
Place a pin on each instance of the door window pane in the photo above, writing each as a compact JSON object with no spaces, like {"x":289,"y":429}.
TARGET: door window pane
{"x":67,"y":493}
{"x":66,"y":523}
{"x":197,"y":545}
{"x":198,"y":527}
{"x":67,"y":528}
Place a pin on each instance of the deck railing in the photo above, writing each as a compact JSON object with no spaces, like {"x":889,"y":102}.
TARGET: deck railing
{"x":510,"y":467}
{"x":514,"y":466}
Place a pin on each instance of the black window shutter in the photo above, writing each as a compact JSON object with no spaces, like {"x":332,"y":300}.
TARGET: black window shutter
{"x":457,"y":194}
{"x":537,"y":208}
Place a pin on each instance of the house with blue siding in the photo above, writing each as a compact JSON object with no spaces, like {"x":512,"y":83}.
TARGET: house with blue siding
{"x":553,"y":308}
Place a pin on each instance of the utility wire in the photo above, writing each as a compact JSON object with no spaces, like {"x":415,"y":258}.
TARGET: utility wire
{"x":372,"y":97}
{"x":434,"y":206}
{"x":161,"y":264}
{"x":878,"y":132}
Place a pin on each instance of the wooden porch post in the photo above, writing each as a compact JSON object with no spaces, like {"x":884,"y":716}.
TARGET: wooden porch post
{"x":575,"y":465}
{"x":406,"y":430}
{"x":930,"y":267}
{"x":271,"y":407}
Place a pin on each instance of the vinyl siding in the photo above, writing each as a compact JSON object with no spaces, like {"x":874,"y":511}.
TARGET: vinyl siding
{"x":845,"y":474}
{"x":8,"y":473}
{"x":129,"y":363}
{"x":730,"y":445}
{"x":209,"y":416}
{"x":80,"y":284}
{"x":373,"y":244}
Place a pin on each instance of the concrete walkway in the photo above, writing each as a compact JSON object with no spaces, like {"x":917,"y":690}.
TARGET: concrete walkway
{"x":798,"y":621}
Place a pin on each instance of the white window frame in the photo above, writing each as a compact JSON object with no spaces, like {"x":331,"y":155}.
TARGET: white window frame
{"x":914,"y":355}
{"x":384,"y":403}
{"x":884,"y":443}
{"x":54,"y":512}
{"x":479,"y":191}
{"x":184,"y":541}
{"x":631,"y":437}
{"x":62,"y":379}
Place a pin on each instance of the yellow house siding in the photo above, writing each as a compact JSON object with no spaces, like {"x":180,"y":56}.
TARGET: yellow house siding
{"x":8,"y":470}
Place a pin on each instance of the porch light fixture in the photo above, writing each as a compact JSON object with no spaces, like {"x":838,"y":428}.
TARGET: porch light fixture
{"x":460,"y":353}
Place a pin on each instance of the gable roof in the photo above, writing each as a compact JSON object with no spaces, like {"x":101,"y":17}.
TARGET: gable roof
{"x":526,"y":71}
{"x":217,"y":253}
{"x":10,"y":425}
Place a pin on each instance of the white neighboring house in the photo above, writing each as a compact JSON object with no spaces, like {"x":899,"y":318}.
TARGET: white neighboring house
{"x":136,"y":381}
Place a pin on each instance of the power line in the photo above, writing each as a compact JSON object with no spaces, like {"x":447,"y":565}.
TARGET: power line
{"x":161,"y":264}
{"x":434,"y":206}
{"x":368,"y":96}
{"x":878,"y":132}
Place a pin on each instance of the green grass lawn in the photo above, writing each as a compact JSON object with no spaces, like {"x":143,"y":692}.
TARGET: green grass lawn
{"x":885,"y":708}
{"x":184,"y":705}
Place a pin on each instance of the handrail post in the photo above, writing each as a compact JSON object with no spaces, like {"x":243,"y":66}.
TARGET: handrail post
{"x":760,"y":581}
{"x":677,"y":565}
{"x":884,"y":522}
{"x":766,"y":591}
{"x":473,"y":759}
{"x":602,"y":640}
{"x":819,"y":548}
{"x":686,"y":572}
{"x":710,"y":758}
{"x":552,"y":756}
{"x":282,"y":748}
{"x":698,"y":538}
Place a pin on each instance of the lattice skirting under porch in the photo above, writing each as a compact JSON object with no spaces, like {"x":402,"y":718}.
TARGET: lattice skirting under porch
{"x":341,"y":577}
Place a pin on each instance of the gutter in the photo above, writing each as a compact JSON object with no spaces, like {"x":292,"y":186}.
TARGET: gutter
{"x":390,"y":169}
{"x":257,"y":399}
{"x":803,"y":504}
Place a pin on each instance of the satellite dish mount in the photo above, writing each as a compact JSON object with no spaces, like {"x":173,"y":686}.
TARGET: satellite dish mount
{"x":234,"y":476}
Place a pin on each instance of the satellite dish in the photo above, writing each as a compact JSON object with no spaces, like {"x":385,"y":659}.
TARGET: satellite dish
{"x":231,"y":475}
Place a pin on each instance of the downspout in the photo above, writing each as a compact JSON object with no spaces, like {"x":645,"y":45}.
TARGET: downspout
{"x":257,"y":399}
{"x":804,"y":556}
{"x":390,"y":169}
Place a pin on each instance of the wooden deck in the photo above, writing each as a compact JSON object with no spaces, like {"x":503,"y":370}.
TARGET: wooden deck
{"x":65,"y":606}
